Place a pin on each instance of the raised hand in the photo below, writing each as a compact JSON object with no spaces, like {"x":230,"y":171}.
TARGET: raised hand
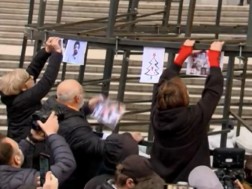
{"x":189,"y":42}
{"x":94,"y":101}
{"x":137,"y":136}
{"x":217,"y":45}
{"x":53,"y":44}
{"x":214,"y":53}
{"x":51,"y":182}
{"x":56,"y":45}
{"x":48,"y":45}
{"x":184,"y":52}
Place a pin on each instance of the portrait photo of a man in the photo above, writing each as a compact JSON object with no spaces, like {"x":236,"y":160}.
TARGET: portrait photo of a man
{"x":75,"y":52}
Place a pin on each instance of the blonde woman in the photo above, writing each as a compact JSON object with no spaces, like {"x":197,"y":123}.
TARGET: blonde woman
{"x":22,"y":96}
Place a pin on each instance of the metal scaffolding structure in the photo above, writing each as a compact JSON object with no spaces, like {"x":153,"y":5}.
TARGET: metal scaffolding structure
{"x":128,"y":34}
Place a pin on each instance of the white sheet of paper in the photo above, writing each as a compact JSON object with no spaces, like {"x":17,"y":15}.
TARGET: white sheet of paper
{"x":197,"y":64}
{"x":152,"y":64}
{"x":74,"y":52}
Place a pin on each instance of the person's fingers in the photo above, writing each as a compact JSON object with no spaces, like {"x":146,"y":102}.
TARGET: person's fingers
{"x":52,"y":115}
{"x":38,"y":180}
{"x":53,"y":177}
{"x":48,"y":176}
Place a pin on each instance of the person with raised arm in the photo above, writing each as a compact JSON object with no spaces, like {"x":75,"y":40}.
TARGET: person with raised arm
{"x":22,"y":96}
{"x":180,"y":130}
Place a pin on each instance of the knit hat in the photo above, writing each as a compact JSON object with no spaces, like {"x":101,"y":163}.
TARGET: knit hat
{"x":136,"y":167}
{"x":202,"y":177}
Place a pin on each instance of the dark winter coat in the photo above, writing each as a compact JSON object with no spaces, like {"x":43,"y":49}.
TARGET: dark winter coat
{"x":12,"y":178}
{"x":181,"y":141}
{"x":88,"y":148}
{"x":20,"y":107}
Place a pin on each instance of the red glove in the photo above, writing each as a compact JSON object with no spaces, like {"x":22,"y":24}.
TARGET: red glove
{"x":184,"y":52}
{"x":213,"y":58}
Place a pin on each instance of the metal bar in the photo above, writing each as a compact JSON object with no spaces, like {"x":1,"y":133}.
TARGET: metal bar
{"x":40,"y":22}
{"x":149,"y":14}
{"x":241,"y":121}
{"x":190,"y":16}
{"x":25,"y":38}
{"x":59,"y":13}
{"x":102,"y":28}
{"x":31,"y":8}
{"x":83,"y":67}
{"x":124,"y":44}
{"x":243,"y":82}
{"x":218,"y":132}
{"x":129,"y":9}
{"x":218,"y":17}
{"x":134,"y":7}
{"x":227,"y":100}
{"x":249,"y":32}
{"x":63,"y":71}
{"x":137,"y":111}
{"x":122,"y":81}
{"x":112,"y":17}
{"x":136,"y":101}
{"x":171,"y":57}
{"x":180,"y":9}
{"x":109,"y":59}
{"x":167,"y":10}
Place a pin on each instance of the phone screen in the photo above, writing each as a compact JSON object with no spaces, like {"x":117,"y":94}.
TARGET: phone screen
{"x":44,"y":167}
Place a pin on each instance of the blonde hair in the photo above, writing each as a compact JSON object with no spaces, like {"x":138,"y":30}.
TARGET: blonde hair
{"x":12,"y":82}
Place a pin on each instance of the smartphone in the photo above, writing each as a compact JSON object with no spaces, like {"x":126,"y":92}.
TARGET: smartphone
{"x":44,"y":167}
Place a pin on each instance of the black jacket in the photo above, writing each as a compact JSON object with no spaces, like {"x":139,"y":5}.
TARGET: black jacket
{"x":20,"y":107}
{"x":180,"y":134}
{"x":12,"y":178}
{"x":88,"y":148}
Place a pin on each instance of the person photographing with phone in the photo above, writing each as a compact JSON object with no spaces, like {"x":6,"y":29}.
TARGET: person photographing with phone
{"x":12,"y":156}
{"x":180,"y":130}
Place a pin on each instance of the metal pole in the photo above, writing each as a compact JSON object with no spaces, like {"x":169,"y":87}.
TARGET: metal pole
{"x":41,"y":19}
{"x":123,"y":80}
{"x":227,"y":100}
{"x":218,"y":17}
{"x":243,"y":82}
{"x":109,"y":59}
{"x":83,"y":67}
{"x":63,"y":71}
{"x":249,"y":33}
{"x":132,"y":17}
{"x":190,"y":16}
{"x":167,"y":10}
{"x":25,"y":38}
{"x":180,"y":9}
{"x":125,"y":63}
{"x":59,"y":13}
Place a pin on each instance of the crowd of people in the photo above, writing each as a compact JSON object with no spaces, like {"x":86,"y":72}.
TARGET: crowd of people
{"x":81,"y":158}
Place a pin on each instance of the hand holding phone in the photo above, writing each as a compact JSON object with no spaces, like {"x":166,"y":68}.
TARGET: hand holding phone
{"x":44,"y":167}
{"x":51,"y":182}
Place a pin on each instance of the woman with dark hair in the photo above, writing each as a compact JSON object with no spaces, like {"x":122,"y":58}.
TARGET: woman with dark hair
{"x":180,"y":129}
